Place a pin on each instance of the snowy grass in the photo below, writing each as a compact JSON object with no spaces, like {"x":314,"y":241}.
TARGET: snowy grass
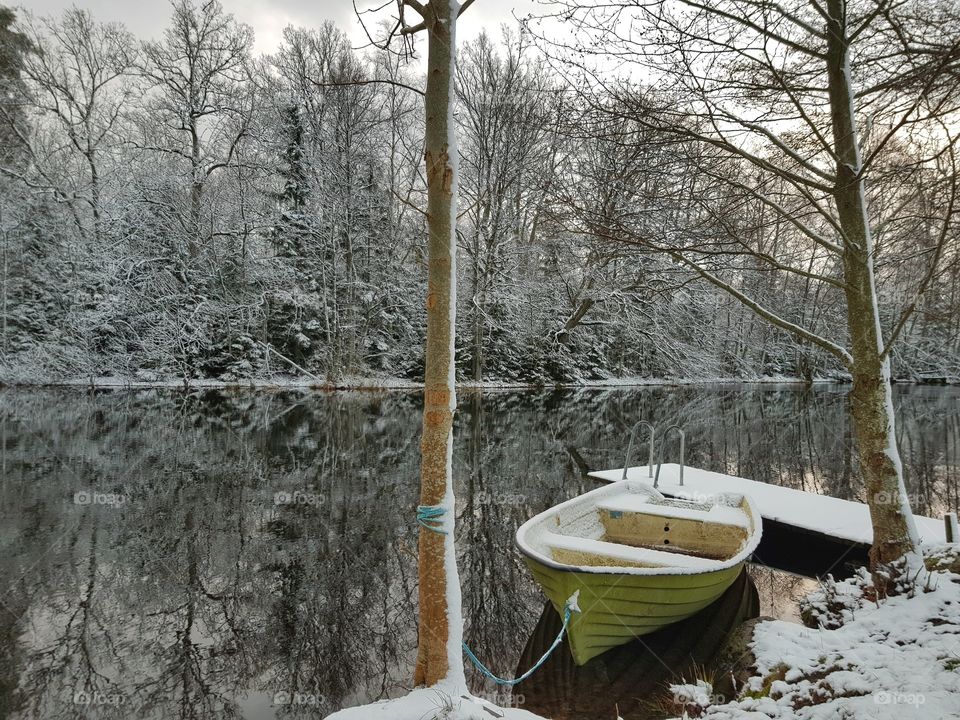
{"x":895,"y":658}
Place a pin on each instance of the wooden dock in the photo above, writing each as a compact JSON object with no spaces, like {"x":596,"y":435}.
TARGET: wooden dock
{"x":803,"y":533}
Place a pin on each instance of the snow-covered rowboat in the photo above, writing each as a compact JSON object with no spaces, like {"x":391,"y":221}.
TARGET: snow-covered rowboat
{"x":639,"y":560}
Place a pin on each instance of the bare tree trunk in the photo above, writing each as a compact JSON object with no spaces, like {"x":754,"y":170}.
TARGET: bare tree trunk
{"x":196,"y":192}
{"x":440,"y":630}
{"x":95,"y":200}
{"x":894,"y":532}
{"x":477,"y":312}
{"x":6,"y":283}
{"x":576,"y":317}
{"x":350,"y":312}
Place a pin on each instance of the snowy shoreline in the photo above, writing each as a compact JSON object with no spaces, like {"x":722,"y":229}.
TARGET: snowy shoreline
{"x":386,"y":383}
{"x":393,"y":383}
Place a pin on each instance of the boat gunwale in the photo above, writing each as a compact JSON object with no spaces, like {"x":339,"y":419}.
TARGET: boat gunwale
{"x":647,"y":588}
{"x":753,"y":539}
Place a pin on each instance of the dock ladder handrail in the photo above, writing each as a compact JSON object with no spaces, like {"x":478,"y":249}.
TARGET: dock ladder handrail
{"x":663,"y":442}
{"x":633,"y":435}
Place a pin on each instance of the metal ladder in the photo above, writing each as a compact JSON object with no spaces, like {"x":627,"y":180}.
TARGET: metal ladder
{"x":653,"y":432}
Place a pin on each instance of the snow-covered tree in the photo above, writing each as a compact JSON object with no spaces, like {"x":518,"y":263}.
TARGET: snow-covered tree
{"x":803,"y":97}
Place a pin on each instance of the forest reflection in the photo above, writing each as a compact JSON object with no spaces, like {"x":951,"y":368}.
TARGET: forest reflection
{"x":238,"y":554}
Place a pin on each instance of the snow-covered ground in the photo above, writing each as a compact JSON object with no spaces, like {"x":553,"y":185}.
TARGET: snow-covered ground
{"x":436,"y":703}
{"x":898,"y":658}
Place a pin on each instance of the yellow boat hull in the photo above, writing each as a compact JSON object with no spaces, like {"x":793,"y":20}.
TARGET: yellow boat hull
{"x":616,"y":608}
{"x":636,"y":561}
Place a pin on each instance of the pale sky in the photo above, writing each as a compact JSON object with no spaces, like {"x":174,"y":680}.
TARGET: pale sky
{"x":147,"y":19}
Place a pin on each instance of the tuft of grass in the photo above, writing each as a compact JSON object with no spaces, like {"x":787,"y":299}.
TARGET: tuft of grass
{"x":817,"y":691}
{"x":444,"y":707}
{"x":778,"y":672}
{"x":671,"y":704}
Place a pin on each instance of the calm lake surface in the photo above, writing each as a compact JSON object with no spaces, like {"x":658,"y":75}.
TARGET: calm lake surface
{"x":251,"y":555}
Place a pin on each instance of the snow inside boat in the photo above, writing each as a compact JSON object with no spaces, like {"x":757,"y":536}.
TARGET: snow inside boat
{"x":640,"y":561}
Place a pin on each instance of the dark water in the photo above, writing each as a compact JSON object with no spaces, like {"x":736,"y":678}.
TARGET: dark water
{"x":219,"y":555}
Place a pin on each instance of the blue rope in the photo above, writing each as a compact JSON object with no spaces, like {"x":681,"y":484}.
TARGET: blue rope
{"x":570,"y":608}
{"x":428,"y":516}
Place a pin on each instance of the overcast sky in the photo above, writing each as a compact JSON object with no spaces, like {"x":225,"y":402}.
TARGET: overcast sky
{"x":147,"y":18}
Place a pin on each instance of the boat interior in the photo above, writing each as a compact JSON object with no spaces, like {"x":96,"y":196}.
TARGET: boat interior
{"x":634,"y":530}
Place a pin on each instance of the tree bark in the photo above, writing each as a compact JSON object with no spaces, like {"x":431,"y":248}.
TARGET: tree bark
{"x":440,"y":628}
{"x":894,"y":531}
{"x":95,"y":201}
{"x":576,"y":317}
{"x":196,"y":191}
{"x":478,"y":308}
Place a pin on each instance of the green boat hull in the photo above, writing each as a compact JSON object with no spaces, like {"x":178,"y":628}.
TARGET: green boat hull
{"x":616,"y":607}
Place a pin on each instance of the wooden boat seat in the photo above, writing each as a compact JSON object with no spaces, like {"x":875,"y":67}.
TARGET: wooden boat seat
{"x":706,"y":531}
{"x":587,"y":552}
{"x":717,"y":514}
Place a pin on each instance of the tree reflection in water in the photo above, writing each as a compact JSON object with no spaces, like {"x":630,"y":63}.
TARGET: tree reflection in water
{"x":245,"y":554}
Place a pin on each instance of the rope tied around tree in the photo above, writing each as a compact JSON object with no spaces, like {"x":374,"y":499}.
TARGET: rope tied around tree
{"x":570,"y":607}
{"x":430,"y":517}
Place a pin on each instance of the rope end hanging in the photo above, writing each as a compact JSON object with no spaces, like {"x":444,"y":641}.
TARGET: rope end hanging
{"x":570,"y":607}
{"x":430,"y":517}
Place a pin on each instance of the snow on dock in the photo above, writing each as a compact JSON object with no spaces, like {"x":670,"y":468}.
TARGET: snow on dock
{"x":819,"y":514}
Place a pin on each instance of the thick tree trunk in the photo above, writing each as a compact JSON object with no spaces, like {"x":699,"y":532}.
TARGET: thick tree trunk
{"x":894,"y":532}
{"x":441,"y":628}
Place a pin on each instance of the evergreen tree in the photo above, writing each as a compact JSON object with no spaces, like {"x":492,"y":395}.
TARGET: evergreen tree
{"x":14,"y":46}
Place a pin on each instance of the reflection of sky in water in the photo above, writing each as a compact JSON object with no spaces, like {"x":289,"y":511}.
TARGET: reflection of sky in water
{"x":779,"y":592}
{"x":262,"y":564}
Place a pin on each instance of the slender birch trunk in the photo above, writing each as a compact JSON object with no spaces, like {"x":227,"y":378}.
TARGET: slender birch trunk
{"x":6,"y":284}
{"x":95,"y":201}
{"x":196,"y":191}
{"x":894,"y":531}
{"x":441,"y":628}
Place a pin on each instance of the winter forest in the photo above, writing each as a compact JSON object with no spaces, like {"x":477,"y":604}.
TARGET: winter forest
{"x":182,"y":207}
{"x":447,"y":360}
